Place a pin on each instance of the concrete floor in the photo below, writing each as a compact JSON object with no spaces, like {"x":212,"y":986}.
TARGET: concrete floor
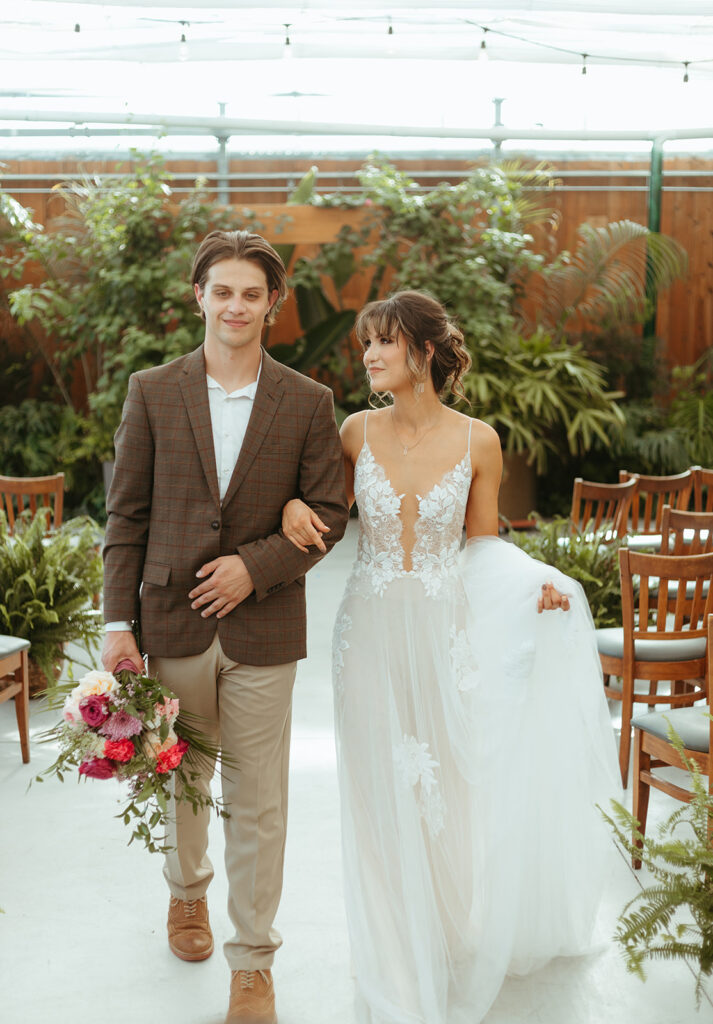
{"x":82,"y":937}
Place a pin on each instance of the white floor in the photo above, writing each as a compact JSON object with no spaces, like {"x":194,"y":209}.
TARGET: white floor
{"x":82,"y":937}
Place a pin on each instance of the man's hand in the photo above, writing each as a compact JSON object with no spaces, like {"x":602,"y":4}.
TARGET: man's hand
{"x":228,"y":584}
{"x":120,"y":644}
{"x":551,"y":598}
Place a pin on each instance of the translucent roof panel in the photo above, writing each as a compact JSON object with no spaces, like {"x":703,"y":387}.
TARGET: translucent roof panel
{"x":334,"y":70}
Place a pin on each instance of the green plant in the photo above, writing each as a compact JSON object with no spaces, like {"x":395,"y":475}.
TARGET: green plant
{"x":589,"y":557}
{"x":682,"y":869}
{"x":692,"y":408}
{"x":47,"y":585}
{"x":114,"y":293}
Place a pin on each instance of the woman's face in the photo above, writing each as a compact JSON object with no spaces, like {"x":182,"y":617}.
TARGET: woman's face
{"x":385,"y":362}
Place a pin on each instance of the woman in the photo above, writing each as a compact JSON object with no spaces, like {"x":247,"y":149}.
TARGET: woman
{"x":473,"y":736}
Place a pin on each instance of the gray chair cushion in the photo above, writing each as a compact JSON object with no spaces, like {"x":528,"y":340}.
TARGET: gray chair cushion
{"x":692,"y":725}
{"x":12,"y":644}
{"x":644,"y":542}
{"x":611,"y":641}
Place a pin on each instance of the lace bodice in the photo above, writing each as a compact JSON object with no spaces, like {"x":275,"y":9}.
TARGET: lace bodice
{"x":438,"y":528}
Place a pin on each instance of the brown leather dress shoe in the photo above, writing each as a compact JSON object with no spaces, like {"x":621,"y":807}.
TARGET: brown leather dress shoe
{"x":189,"y":934}
{"x":252,"y":998}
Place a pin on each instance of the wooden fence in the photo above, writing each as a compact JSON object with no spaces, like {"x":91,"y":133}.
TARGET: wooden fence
{"x":590,"y":191}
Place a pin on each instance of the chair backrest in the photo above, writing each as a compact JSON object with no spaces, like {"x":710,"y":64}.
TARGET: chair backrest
{"x":646,"y":615}
{"x":597,"y":505}
{"x":19,"y":493}
{"x":652,"y":493}
{"x":686,"y":533}
{"x":702,"y":489}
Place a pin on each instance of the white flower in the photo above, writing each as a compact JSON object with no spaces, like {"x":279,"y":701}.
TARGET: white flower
{"x":414,"y":761}
{"x":465,"y":669}
{"x":518,"y":663}
{"x":94,"y":684}
{"x":70,"y":710}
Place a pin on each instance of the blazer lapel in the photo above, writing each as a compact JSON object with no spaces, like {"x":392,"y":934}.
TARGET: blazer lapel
{"x":195,"y":396}
{"x":267,"y":398}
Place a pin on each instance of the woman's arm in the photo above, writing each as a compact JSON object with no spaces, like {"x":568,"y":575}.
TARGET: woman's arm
{"x":300,"y":524}
{"x":481,"y":514}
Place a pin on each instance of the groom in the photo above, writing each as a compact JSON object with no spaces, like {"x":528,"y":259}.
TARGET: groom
{"x":210,"y":448}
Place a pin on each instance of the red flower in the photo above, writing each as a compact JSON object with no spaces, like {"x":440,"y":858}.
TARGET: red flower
{"x":94,"y":710}
{"x":119,"y":750}
{"x":169,"y":759}
{"x":97,"y":768}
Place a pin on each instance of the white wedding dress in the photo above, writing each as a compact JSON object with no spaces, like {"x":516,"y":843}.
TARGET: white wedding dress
{"x":473,"y":743}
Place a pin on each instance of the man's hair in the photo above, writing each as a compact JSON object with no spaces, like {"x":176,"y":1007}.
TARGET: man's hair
{"x":241,"y":245}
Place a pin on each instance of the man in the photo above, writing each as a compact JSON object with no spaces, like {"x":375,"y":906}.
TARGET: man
{"x":210,"y":448}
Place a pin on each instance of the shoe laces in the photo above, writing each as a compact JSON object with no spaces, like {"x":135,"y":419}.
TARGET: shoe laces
{"x":189,"y":906}
{"x":247,"y":978}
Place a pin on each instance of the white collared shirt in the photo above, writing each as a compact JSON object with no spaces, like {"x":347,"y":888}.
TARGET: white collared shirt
{"x":229,"y":416}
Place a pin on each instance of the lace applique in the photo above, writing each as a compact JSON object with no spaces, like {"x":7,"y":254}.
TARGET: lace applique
{"x":518,"y":664}
{"x":414,"y":761}
{"x":438,"y":529}
{"x":463,"y":665}
{"x":339,"y":646}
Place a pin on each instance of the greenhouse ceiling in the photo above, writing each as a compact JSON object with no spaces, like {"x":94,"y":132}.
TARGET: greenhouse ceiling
{"x":284,"y":69}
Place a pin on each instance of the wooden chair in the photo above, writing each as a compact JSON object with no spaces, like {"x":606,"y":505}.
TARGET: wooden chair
{"x":653,"y":645}
{"x":685,"y":533}
{"x":652,"y":493}
{"x":702,"y":489}
{"x":18,"y":493}
{"x":653,"y":749}
{"x":15,"y":682}
{"x":595,"y":504}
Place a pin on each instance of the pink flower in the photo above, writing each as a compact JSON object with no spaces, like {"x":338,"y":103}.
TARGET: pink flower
{"x":97,"y":768}
{"x":169,"y":759}
{"x":121,"y":750}
{"x":94,"y":710}
{"x":168,"y":709}
{"x":121,"y":725}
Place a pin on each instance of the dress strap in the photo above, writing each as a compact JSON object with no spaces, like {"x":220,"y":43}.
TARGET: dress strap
{"x":470,"y":428}
{"x":366,"y":417}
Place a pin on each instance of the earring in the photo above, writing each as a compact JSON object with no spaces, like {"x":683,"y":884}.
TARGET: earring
{"x":418,"y":389}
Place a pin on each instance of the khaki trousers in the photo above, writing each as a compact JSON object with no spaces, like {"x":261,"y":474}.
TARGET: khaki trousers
{"x":247,"y":710}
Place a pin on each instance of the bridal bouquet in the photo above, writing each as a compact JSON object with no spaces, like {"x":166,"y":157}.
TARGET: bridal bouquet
{"x":127,"y":726}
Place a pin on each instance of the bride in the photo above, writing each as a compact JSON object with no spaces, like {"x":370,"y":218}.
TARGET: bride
{"x":473,"y":735}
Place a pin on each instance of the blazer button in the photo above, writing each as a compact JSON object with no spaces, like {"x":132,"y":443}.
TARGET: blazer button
{"x":215,"y":524}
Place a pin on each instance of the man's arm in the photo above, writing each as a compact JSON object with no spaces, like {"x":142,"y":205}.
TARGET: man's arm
{"x":128,"y":509}
{"x":272,"y":562}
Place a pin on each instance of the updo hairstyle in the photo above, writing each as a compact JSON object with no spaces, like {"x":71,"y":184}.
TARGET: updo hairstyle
{"x":419,"y":318}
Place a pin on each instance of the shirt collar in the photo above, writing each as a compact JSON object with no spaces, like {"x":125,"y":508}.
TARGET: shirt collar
{"x":249,"y":391}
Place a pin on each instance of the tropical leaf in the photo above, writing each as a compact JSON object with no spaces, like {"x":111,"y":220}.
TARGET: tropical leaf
{"x":609,"y":276}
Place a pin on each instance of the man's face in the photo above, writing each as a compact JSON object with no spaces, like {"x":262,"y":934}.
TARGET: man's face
{"x":235,"y":301}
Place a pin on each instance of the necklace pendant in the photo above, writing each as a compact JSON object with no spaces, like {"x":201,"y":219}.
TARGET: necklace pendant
{"x":405,"y":450}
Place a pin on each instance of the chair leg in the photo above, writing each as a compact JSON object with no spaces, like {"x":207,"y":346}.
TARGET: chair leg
{"x":22,"y":708}
{"x":627,"y":701}
{"x":642,"y":762}
{"x":653,"y":692}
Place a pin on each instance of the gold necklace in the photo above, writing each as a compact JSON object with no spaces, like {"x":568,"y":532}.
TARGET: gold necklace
{"x":406,"y":448}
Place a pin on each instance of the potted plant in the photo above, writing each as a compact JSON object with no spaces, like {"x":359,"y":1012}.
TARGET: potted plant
{"x":673,"y":917}
{"x":47,"y":587}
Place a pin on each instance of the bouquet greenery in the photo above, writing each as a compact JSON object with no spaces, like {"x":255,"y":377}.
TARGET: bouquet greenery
{"x":127,"y":726}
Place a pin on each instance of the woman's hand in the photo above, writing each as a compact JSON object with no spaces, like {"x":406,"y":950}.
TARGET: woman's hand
{"x":551,"y":598}
{"x":302,"y":526}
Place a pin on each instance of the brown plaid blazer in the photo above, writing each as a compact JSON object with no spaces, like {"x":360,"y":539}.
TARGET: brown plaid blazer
{"x":165,"y":517}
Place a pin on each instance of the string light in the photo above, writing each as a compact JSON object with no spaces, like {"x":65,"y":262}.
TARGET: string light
{"x":685,"y":70}
{"x":77,"y":27}
{"x":390,"y":48}
{"x":483,"y":51}
{"x":183,"y":45}
{"x":584,"y":63}
{"x":287,"y":47}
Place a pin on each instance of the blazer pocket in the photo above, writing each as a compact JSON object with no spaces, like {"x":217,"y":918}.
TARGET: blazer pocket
{"x":156,"y":574}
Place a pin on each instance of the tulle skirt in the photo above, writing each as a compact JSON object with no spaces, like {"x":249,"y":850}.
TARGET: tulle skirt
{"x":474,"y":742}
